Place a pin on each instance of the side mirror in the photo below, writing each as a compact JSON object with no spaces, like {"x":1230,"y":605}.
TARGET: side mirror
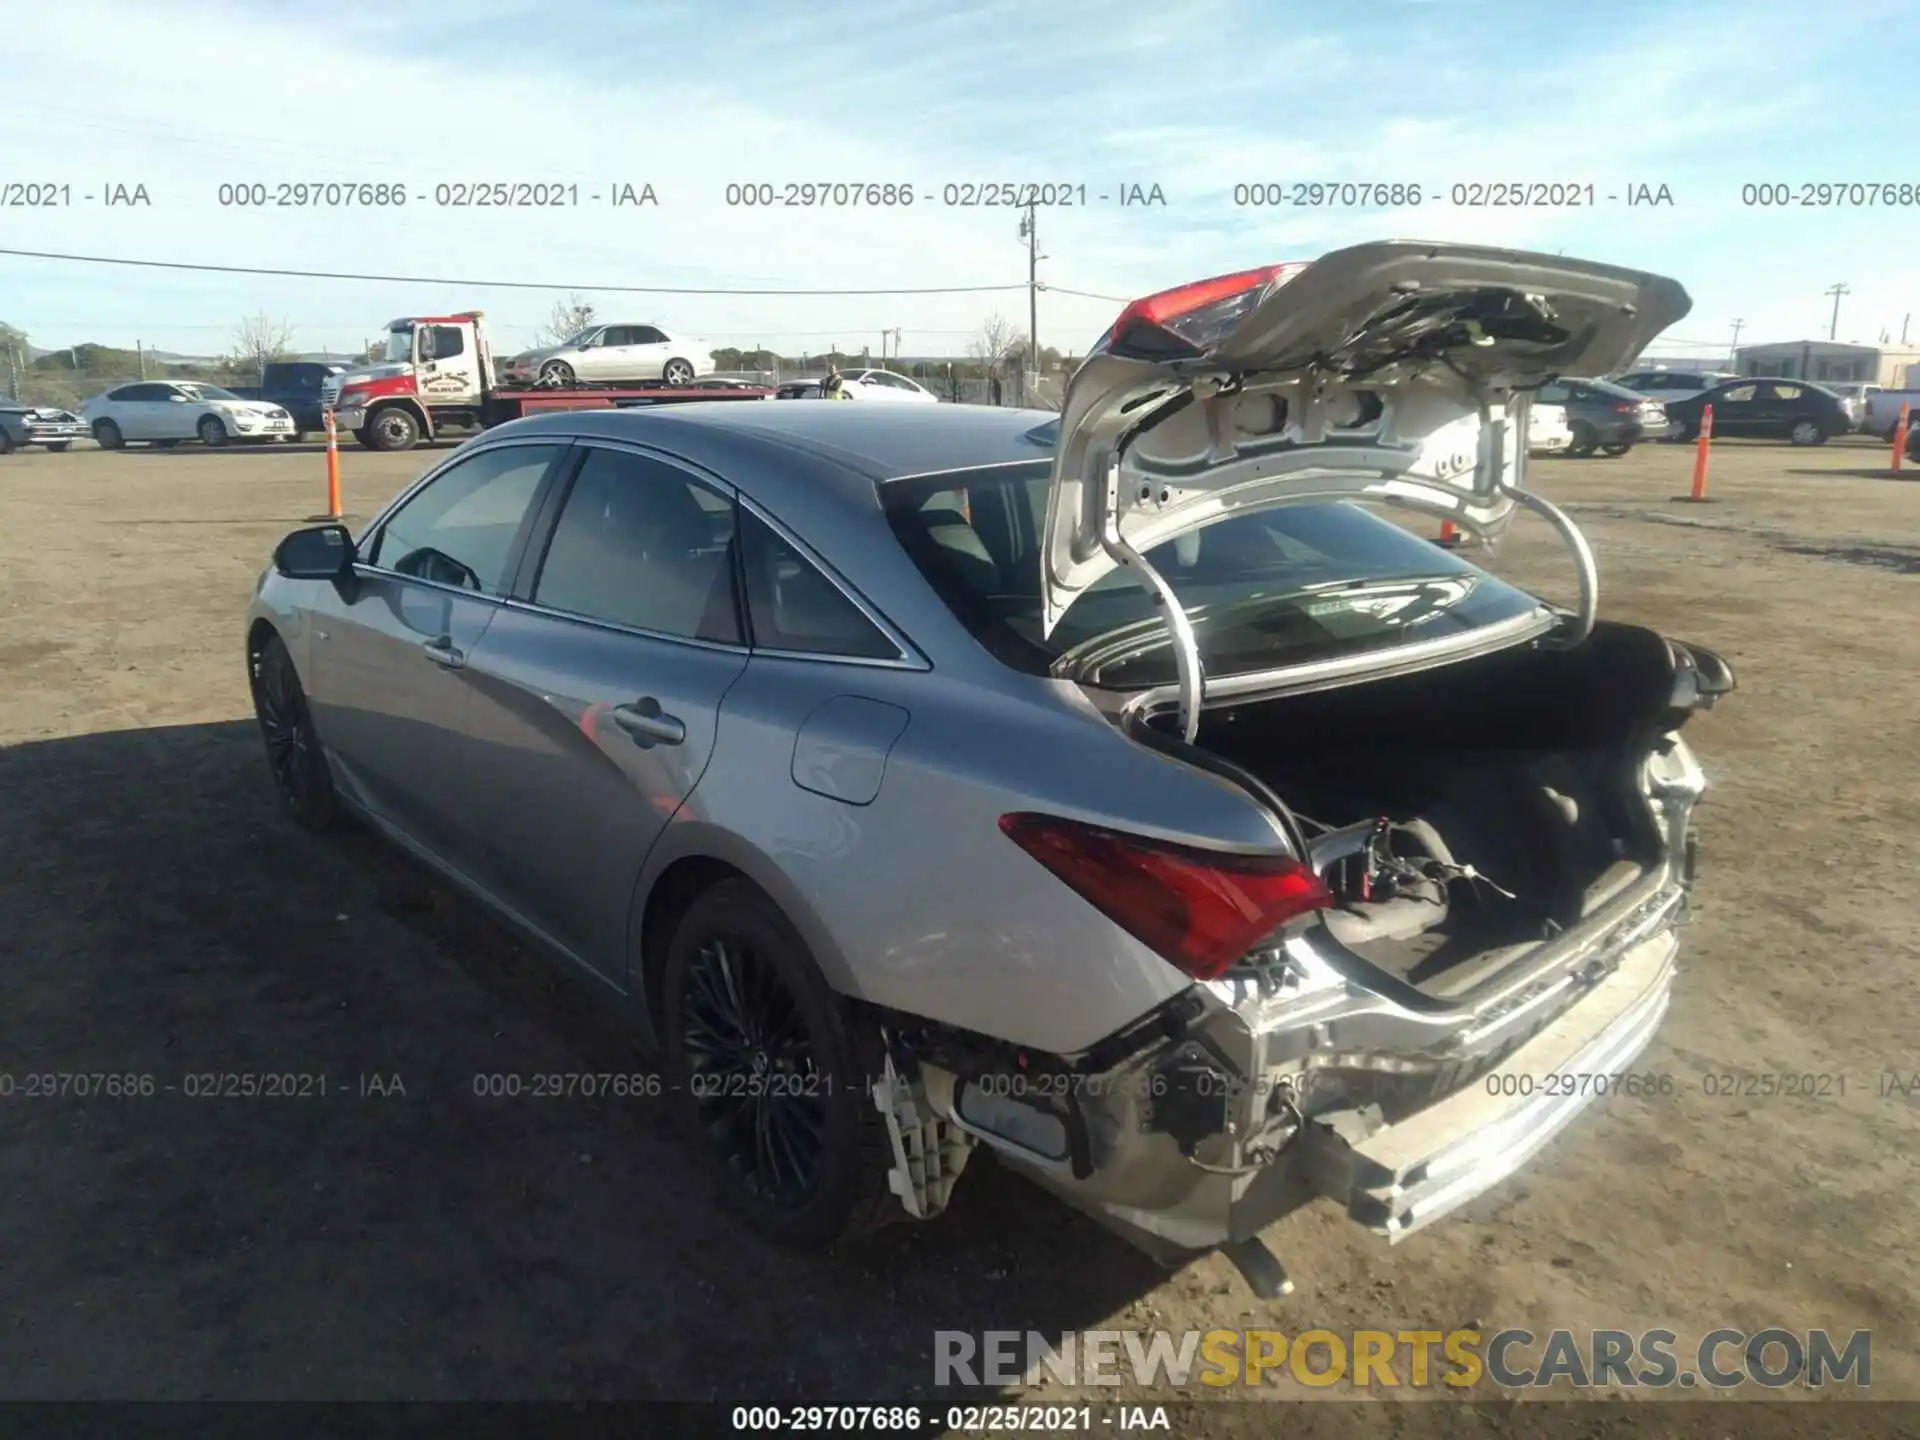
{"x":320,"y":552}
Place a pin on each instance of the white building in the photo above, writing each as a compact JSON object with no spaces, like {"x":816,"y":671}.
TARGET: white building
{"x":1829,"y":360}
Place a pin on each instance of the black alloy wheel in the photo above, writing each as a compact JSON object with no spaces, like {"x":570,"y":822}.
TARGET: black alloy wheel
{"x":769,"y":1075}
{"x":293,"y":749}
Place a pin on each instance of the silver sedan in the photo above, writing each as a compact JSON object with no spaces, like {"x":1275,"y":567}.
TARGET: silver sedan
{"x":1113,"y":789}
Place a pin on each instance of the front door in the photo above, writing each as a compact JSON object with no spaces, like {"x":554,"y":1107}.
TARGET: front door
{"x":390,"y":646}
{"x":596,"y":704}
{"x":1737,"y":410}
{"x":172,"y":416}
{"x":448,"y":370}
{"x":615,"y":357}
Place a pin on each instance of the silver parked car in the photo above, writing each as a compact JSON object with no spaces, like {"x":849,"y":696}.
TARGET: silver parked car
{"x":604,"y":354}
{"x":1109,"y":788}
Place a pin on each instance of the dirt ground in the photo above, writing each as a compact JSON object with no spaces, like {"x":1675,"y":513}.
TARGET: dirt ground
{"x":158,"y":917}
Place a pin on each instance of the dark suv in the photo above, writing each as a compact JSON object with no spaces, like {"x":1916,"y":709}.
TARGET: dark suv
{"x":1796,"y":410}
{"x":1604,"y":416}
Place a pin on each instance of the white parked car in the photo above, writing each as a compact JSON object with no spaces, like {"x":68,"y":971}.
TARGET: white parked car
{"x":1548,"y":432}
{"x":167,"y":412}
{"x":882,"y":385}
{"x":604,"y":354}
{"x":886,"y":385}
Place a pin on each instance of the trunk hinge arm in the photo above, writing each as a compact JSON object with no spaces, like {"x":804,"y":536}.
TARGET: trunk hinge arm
{"x":1586,"y":570}
{"x":1186,"y":646}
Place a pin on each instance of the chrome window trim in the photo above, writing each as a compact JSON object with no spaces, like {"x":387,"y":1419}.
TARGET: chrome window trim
{"x":550,"y":612}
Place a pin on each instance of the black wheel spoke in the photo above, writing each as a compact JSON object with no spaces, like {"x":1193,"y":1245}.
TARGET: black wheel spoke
{"x":743,"y":1032}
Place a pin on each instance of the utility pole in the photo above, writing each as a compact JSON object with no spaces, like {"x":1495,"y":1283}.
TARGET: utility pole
{"x":1030,"y":233}
{"x":1903,"y":326}
{"x":1836,"y":291}
{"x":1733,"y":351}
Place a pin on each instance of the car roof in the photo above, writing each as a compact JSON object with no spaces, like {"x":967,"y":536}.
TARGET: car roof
{"x":865,"y":444}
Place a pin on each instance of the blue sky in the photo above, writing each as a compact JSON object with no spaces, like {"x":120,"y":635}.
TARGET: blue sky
{"x":1194,"y":97}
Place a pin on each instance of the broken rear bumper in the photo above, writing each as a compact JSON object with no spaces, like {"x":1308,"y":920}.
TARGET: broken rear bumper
{"x":1405,"y":1176}
{"x":1308,"y":1082}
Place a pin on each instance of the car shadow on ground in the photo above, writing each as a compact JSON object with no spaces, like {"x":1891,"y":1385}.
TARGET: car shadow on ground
{"x":296,"y":1188}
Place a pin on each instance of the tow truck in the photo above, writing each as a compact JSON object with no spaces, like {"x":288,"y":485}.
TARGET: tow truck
{"x":438,"y":374}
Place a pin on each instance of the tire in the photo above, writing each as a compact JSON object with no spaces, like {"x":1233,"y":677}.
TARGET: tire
{"x":59,"y":447}
{"x":1807,"y":432}
{"x":1585,"y":441}
{"x":295,"y":438}
{"x":736,"y":973}
{"x":555,"y":375}
{"x":212,"y":433}
{"x":298,"y":765}
{"x":6,"y":442}
{"x":1679,"y":431}
{"x":365,"y":437}
{"x":677,"y":372}
{"x":392,"y":427}
{"x":107,"y":435}
{"x":1615,"y":450}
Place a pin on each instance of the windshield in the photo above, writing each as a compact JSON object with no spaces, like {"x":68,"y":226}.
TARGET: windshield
{"x":1281,"y":587}
{"x":209,"y":392}
{"x":578,"y":337}
{"x":399,"y":345}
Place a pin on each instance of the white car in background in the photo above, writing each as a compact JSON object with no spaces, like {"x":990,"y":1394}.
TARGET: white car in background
{"x":608,"y":354}
{"x":167,"y":412}
{"x":1548,"y":432}
{"x":888,"y":386}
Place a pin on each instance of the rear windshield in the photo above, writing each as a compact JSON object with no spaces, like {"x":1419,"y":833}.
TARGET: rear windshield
{"x":1284,"y":587}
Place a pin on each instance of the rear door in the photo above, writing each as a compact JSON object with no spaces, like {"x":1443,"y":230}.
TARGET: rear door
{"x":1782,"y":405}
{"x":649,"y":352}
{"x":1394,"y":372}
{"x":390,"y":648}
{"x":597,"y":693}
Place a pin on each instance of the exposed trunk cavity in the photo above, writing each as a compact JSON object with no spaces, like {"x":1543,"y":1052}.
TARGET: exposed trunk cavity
{"x":1463,"y":815}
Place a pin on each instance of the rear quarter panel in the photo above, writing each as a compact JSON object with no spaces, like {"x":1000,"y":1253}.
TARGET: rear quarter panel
{"x":917,"y":900}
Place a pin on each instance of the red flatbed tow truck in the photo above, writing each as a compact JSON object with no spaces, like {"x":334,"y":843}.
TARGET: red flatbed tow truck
{"x":439,"y":374}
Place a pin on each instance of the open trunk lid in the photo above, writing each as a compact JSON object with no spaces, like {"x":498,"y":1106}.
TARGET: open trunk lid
{"x":1398,"y":371}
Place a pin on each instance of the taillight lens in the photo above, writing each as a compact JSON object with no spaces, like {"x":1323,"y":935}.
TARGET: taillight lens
{"x":1197,"y":910}
{"x":1191,"y":319}
{"x":1625,"y":409}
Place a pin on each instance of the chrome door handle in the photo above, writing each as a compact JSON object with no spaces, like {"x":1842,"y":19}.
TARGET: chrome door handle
{"x":647,"y":725}
{"x":440,"y":650}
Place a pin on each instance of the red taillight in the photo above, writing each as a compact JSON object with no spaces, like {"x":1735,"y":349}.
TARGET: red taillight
{"x":1196,"y":316}
{"x":1625,"y":409}
{"x":1198,"y":910}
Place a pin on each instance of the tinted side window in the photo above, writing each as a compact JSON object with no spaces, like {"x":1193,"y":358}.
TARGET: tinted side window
{"x":1552,"y":394}
{"x":645,"y":335}
{"x":460,"y":529}
{"x":1738,"y":395}
{"x":619,"y":335}
{"x":795,"y":607}
{"x":441,"y":342}
{"x":642,"y":543}
{"x":1786,"y":392}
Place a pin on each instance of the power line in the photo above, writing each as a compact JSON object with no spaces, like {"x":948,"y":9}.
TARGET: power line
{"x":1083,"y":294}
{"x":491,"y":284}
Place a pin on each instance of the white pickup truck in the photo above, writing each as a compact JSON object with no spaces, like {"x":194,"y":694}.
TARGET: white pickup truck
{"x":1883,"y":411}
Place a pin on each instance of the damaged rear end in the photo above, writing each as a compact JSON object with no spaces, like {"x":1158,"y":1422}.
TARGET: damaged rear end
{"x":1467,"y":933}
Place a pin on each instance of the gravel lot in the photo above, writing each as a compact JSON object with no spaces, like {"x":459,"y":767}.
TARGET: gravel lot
{"x":158,"y":917}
